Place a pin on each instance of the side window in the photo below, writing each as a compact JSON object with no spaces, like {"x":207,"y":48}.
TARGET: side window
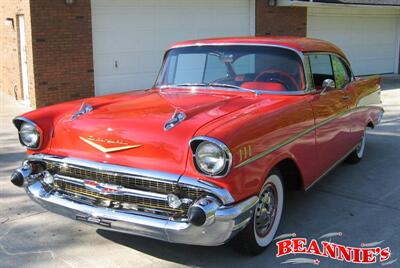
{"x":307,"y":69}
{"x":342,"y":76}
{"x":321,"y":68}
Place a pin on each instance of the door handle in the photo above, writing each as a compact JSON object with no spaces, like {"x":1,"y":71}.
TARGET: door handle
{"x":345,"y":97}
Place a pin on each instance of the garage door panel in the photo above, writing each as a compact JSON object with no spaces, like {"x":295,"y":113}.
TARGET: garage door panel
{"x":135,"y":33}
{"x":107,"y":84}
{"x":131,"y":42}
{"x":127,"y":63}
{"x":367,"y":36}
{"x":110,"y":18}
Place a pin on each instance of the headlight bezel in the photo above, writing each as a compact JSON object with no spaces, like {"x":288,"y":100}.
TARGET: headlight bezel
{"x":19,"y":122}
{"x":195,"y":143}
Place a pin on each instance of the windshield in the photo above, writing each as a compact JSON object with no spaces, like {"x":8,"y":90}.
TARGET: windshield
{"x":234,"y":67}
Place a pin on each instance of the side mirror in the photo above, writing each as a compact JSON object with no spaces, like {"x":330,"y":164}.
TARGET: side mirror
{"x":326,"y":85}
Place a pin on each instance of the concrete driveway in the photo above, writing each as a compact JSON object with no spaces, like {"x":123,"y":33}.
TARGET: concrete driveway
{"x":361,"y":201}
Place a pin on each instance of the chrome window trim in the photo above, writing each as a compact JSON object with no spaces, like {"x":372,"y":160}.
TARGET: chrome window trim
{"x":23,"y":119}
{"x":299,"y":53}
{"x":221,"y":145}
{"x":154,"y":175}
{"x":344,"y":61}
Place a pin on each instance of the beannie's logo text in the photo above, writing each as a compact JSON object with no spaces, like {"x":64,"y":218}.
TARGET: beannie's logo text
{"x":366,"y":254}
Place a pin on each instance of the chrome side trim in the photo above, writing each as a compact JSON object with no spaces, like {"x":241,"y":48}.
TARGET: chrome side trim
{"x":274,"y":148}
{"x":221,"y":145}
{"x":296,"y":136}
{"x":121,"y":190}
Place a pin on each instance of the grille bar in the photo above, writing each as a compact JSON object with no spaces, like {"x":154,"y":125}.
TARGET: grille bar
{"x":113,"y":189}
{"x":127,"y":181}
{"x":141,"y":202}
{"x":142,"y":192}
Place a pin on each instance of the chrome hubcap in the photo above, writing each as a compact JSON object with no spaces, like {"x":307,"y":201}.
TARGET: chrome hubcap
{"x":361,"y":146}
{"x":266,"y":210}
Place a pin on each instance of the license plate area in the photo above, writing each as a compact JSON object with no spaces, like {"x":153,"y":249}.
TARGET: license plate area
{"x":93,"y":220}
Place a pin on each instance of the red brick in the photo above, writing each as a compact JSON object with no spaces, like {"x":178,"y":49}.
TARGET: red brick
{"x":280,"y":20}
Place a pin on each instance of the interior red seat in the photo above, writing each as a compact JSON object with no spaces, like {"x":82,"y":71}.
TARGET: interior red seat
{"x":264,"y":86}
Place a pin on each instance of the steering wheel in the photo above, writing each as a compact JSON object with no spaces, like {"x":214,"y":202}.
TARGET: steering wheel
{"x":279,"y":76}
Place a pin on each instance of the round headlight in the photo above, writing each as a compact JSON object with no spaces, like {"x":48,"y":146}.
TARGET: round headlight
{"x":210,"y":158}
{"x":29,"y":135}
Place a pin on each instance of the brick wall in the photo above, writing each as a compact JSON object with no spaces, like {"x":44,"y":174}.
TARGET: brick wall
{"x":280,"y":20}
{"x":62,"y":50}
{"x":10,"y":74}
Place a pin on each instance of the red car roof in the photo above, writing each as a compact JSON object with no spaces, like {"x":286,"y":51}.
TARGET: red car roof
{"x":300,"y":44}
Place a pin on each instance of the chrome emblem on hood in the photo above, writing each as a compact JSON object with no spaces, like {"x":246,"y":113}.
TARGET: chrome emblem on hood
{"x":176,"y":118}
{"x":85,"y":108}
{"x":93,"y":142}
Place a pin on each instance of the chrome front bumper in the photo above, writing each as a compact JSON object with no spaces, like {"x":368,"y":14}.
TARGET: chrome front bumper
{"x":227,"y":221}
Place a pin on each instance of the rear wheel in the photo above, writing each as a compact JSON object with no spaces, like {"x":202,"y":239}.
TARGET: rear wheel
{"x":358,"y":152}
{"x":264,"y":224}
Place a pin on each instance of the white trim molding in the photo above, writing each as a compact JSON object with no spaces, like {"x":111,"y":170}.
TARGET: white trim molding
{"x":311,"y":3}
{"x":252,"y":16}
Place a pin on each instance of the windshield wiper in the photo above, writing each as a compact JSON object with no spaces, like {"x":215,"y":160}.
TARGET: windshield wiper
{"x":208,"y":85}
{"x":186,"y":85}
{"x":230,"y":86}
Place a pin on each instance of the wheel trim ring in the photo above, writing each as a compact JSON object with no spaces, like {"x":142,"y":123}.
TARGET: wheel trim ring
{"x":261,"y":205}
{"x":361,"y":146}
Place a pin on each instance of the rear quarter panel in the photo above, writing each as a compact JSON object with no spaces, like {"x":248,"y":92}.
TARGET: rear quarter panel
{"x":366,"y":104}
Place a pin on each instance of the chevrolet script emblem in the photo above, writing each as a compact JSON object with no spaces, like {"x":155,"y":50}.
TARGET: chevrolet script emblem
{"x":94,"y":143}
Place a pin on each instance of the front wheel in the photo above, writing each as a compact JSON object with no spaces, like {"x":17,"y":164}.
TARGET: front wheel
{"x":358,"y":152}
{"x":264,"y":224}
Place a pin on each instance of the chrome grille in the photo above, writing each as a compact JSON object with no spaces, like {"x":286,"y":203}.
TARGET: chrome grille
{"x":127,"y":181}
{"x":141,"y":202}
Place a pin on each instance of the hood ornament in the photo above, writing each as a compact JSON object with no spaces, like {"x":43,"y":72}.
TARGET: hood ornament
{"x":176,"y":118}
{"x":85,"y":108}
{"x":92,"y":142}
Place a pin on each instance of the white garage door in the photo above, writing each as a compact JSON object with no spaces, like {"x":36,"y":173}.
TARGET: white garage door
{"x":130,"y":36}
{"x":369,"y":37}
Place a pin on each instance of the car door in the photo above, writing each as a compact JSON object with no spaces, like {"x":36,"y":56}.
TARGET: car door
{"x":345,"y":79}
{"x":330,"y":109}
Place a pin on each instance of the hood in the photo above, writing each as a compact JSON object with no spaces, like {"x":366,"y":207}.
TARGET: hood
{"x":128,"y":129}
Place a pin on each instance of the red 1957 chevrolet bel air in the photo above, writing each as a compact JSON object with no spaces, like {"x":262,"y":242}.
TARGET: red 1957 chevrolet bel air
{"x":207,"y":153}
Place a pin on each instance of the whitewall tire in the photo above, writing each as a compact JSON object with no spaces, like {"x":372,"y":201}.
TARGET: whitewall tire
{"x":358,"y":152}
{"x":261,"y":230}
